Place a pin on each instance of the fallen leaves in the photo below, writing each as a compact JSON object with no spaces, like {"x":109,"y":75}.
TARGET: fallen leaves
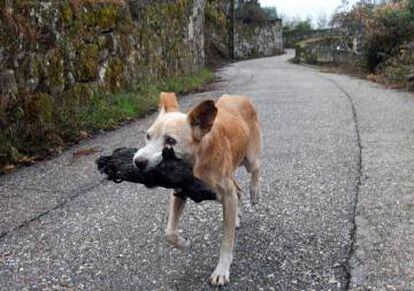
{"x":373,"y":78}
{"x":7,"y":169}
{"x":85,"y":152}
{"x":27,"y":160}
{"x":83,"y":135}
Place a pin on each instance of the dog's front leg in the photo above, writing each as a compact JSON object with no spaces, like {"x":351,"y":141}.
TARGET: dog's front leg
{"x":176,"y":209}
{"x":221,"y":274}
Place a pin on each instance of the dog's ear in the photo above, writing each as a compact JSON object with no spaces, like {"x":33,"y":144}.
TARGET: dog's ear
{"x":168,"y":102}
{"x":202,"y":118}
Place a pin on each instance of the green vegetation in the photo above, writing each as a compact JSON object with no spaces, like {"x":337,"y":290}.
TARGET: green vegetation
{"x":386,"y":34}
{"x":251,"y":11}
{"x":72,"y":67}
{"x":42,"y":126}
{"x":106,"y":111}
{"x":387,"y":27}
{"x":271,"y":13}
{"x":294,"y":30}
{"x":296,"y":26}
{"x":216,"y":33}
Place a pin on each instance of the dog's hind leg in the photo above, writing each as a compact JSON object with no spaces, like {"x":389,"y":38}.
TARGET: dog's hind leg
{"x":252,"y":164}
{"x":255,"y":185}
{"x":253,"y":161}
{"x":176,"y":209}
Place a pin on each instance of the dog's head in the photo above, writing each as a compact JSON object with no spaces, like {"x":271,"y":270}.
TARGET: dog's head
{"x":177,"y":130}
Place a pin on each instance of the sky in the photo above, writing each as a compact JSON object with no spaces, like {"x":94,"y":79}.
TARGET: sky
{"x":303,"y":8}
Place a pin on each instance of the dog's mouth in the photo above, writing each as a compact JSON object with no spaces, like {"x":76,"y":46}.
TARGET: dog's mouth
{"x":168,"y":154}
{"x":171,"y":172}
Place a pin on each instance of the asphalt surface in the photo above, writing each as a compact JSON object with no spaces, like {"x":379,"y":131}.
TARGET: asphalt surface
{"x":336,"y":208}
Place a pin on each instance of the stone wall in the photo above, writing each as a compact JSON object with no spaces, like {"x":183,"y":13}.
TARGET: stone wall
{"x":216,"y":32}
{"x":290,"y":38}
{"x":259,"y":39}
{"x":56,"y":55}
{"x":56,"y":46}
{"x":328,"y":50}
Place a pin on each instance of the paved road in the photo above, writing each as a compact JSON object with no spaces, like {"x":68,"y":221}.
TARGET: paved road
{"x":336,"y":211}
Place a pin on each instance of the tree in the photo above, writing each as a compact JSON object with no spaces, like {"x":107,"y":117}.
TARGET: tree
{"x":296,"y":23}
{"x":304,"y":25}
{"x":322,"y":20}
{"x":271,"y":12}
{"x":251,"y":11}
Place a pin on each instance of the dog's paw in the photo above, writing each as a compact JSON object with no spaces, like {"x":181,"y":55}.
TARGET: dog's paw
{"x":178,"y":241}
{"x":237,"y":222}
{"x":183,"y":243}
{"x":220,"y":277}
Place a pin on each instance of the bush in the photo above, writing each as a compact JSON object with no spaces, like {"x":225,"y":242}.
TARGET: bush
{"x":251,"y":11}
{"x":389,"y":27}
{"x":296,"y":27}
{"x":398,"y":71}
{"x":381,"y":29}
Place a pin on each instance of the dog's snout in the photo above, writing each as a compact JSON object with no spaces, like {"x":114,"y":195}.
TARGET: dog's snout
{"x":141,"y":163}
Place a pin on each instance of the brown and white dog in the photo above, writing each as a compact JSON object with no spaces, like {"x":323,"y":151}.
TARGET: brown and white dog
{"x":217,"y":138}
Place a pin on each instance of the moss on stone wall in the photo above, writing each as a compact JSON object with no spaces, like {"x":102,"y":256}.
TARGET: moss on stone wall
{"x":77,"y":96}
{"x":54,"y":72}
{"x":58,"y":56}
{"x":41,"y":110}
{"x":216,"y":31}
{"x":114,"y":74}
{"x":86,"y":62}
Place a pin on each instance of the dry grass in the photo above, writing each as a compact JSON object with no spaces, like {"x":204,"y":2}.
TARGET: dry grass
{"x":77,"y":3}
{"x":19,"y":24}
{"x":362,"y":73}
{"x":352,"y":69}
{"x":85,"y":152}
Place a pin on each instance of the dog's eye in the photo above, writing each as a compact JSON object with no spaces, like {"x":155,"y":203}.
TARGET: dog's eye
{"x":148,"y":136}
{"x":170,"y":141}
